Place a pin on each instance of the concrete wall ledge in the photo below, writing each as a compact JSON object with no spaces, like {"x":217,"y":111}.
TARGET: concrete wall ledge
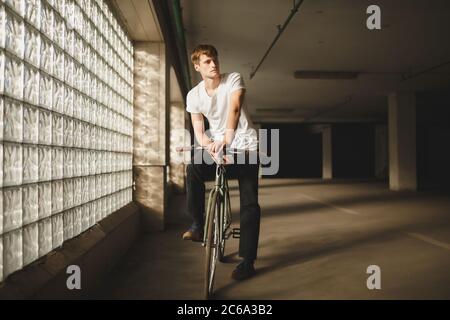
{"x":95,"y":251}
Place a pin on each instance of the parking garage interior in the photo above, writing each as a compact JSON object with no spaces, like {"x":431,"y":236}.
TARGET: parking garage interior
{"x":92,"y":100}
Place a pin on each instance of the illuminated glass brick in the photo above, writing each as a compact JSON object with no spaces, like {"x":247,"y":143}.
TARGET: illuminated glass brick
{"x":33,"y":12}
{"x":47,"y":17}
{"x":30,"y":200}
{"x":14,"y":34}
{"x":57,"y":231}
{"x":13,"y":78}
{"x":30,"y":238}
{"x":31,"y":84}
{"x":12,"y":164}
{"x":57,"y":196}
{"x":68,"y":162}
{"x":68,"y":224}
{"x":12,"y":252}
{"x":45,"y":236}
{"x":45,"y":163}
{"x":45,"y":127}
{"x":12,"y":120}
{"x":30,"y":124}
{"x":30,"y":164}
{"x":32,"y":45}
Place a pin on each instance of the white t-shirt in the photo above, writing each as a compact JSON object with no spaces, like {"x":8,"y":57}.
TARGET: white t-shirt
{"x":215,"y":109}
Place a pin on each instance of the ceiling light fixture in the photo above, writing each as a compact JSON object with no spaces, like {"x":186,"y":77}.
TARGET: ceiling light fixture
{"x":327,"y":75}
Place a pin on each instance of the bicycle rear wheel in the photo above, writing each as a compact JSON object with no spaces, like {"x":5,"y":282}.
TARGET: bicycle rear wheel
{"x":212,"y":250}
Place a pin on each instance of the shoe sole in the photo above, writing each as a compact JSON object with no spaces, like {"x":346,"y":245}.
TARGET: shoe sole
{"x":192,"y":239}
{"x":243,"y":278}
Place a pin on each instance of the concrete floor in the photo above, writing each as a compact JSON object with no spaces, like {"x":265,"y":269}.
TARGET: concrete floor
{"x":317,"y":240}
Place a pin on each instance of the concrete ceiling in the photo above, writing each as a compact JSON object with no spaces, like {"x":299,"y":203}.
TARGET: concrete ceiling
{"x":325,"y":36}
{"x":139,"y":19}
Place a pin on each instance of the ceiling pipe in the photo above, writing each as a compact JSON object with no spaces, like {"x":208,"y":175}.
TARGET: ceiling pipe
{"x":280,"y":31}
{"x":171,"y":24}
{"x":413,"y":75}
{"x":181,"y":40}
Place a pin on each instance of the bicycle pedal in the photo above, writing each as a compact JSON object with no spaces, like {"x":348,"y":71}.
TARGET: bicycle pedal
{"x":236,"y":233}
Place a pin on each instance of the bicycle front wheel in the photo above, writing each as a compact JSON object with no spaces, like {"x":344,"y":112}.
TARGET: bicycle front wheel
{"x":212,"y":240}
{"x":223,"y":225}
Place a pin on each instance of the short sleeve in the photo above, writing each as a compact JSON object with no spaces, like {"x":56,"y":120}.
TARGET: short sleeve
{"x":192,"y":103}
{"x":236,"y":82}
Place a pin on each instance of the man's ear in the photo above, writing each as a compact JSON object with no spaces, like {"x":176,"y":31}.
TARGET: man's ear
{"x":197,"y":67}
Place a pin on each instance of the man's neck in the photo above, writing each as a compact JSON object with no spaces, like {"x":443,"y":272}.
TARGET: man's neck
{"x":212,"y":84}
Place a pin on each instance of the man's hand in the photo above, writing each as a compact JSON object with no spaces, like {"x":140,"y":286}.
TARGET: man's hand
{"x":215,"y":147}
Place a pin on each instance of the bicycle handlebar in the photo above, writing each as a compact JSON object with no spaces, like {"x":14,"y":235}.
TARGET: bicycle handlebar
{"x":224,"y":153}
{"x":192,"y":147}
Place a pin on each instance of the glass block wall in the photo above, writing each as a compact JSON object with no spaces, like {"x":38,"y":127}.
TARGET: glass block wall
{"x":65,"y":123}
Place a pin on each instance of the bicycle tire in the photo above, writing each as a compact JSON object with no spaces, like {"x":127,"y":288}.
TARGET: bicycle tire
{"x":211,"y":247}
{"x":223,"y":221}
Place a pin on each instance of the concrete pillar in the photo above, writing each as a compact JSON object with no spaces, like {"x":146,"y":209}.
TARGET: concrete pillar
{"x":179,"y":136}
{"x":381,"y":151}
{"x":177,"y":139}
{"x":402,"y":141}
{"x":327,"y":153}
{"x":151,"y":137}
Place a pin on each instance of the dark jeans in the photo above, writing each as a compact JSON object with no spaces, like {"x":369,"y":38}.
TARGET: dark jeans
{"x":247,"y":175}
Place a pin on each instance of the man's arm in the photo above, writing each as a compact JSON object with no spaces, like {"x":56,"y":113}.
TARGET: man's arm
{"x":234,"y":112}
{"x":199,"y":129}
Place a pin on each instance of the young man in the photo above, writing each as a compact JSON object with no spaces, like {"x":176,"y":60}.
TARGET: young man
{"x":219,"y":98}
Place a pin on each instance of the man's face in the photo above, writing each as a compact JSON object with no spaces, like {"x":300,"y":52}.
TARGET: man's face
{"x":208,"y":66}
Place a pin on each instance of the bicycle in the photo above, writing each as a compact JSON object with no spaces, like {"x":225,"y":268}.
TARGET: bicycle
{"x":218,"y":221}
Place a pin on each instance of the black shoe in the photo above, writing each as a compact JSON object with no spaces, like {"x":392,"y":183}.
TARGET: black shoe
{"x":193,"y":235}
{"x":243,"y":271}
